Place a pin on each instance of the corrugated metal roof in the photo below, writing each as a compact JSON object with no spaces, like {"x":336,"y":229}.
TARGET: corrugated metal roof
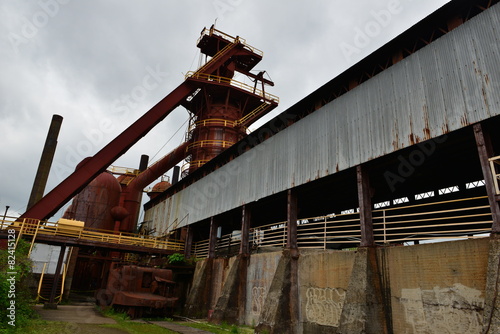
{"x":447,"y":85}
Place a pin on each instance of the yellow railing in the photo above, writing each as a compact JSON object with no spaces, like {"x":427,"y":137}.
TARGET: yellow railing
{"x":210,"y":143}
{"x":213,"y":122}
{"x":196,"y":163}
{"x":34,"y":228}
{"x":123,"y":170}
{"x":38,"y":295}
{"x":496,"y":175}
{"x":254,"y":112}
{"x":214,"y":58}
{"x":234,"y":83}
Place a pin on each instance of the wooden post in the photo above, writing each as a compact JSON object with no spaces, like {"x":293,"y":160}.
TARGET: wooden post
{"x":291,"y":238}
{"x":365,"y":207}
{"x":485,"y":151}
{"x":213,"y":238}
{"x":245,"y":230}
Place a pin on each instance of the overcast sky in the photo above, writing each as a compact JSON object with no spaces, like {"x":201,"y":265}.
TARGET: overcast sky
{"x":102,"y":64}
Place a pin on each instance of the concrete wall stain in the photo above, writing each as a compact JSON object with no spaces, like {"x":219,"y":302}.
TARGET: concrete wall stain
{"x":324,"y":305}
{"x":455,"y":309}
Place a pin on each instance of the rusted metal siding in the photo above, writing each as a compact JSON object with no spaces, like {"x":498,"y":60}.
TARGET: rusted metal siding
{"x":451,"y":83}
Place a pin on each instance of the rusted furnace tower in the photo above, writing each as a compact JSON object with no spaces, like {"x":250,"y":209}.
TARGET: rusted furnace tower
{"x":222,"y":108}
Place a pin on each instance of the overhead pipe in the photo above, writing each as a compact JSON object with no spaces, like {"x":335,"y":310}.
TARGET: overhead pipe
{"x":132,"y":193}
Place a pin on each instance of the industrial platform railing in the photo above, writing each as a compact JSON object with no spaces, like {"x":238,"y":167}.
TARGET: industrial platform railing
{"x":229,"y":81}
{"x":495,"y":170}
{"x":36,"y":228}
{"x":230,"y":39}
{"x":427,"y":222}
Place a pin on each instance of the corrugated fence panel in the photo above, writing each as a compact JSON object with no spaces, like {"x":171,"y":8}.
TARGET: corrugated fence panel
{"x":451,"y":83}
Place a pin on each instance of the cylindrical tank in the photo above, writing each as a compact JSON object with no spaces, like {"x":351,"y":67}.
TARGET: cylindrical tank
{"x":215,"y":130}
{"x":94,"y":203}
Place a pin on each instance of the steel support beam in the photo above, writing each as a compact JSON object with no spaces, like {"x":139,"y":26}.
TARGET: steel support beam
{"x":291,"y":236}
{"x":57,"y":276}
{"x":485,"y":151}
{"x":365,"y":207}
{"x":189,"y":242}
{"x":246,"y":216}
{"x":212,"y":242}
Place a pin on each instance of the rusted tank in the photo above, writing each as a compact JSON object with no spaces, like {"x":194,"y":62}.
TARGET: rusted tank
{"x":139,"y":290}
{"x":94,"y":203}
{"x":159,"y":188}
{"x":215,"y":130}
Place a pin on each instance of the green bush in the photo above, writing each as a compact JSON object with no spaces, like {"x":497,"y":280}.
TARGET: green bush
{"x":15,"y":297}
{"x":176,"y":258}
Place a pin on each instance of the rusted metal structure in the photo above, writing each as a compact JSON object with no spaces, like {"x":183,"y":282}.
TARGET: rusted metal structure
{"x":228,"y":54}
{"x":139,"y":290}
{"x":223,"y":107}
{"x":221,"y":110}
{"x":94,"y":204}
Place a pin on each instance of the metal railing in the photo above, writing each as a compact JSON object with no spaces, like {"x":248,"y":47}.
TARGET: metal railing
{"x":254,"y":112}
{"x":40,"y":283}
{"x":123,"y":170}
{"x":436,"y":221}
{"x":228,"y":81}
{"x":494,"y":162}
{"x":229,"y":38}
{"x":210,"y":143}
{"x":453,"y":219}
{"x":214,"y":58}
{"x":35,"y":227}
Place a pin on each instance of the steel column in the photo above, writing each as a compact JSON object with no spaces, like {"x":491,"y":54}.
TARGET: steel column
{"x":485,"y":151}
{"x":365,"y":207}
{"x":189,"y":242}
{"x":291,"y":237}
{"x":57,"y":275}
{"x":245,"y":230}
{"x":212,"y":242}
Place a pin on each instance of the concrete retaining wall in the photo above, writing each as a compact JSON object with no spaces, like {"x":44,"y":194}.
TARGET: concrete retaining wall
{"x":261,"y":271}
{"x":428,"y":288}
{"x":437,"y":288}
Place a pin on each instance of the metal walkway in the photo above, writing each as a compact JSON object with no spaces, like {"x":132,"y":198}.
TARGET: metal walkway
{"x":55,"y":233}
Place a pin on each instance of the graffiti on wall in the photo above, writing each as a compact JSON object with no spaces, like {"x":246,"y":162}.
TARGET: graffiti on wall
{"x":324,"y":305}
{"x":455,"y":309}
{"x":258,"y":299}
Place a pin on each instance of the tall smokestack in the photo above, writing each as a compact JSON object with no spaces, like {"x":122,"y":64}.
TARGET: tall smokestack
{"x":175,"y":175}
{"x":48,"y":152}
